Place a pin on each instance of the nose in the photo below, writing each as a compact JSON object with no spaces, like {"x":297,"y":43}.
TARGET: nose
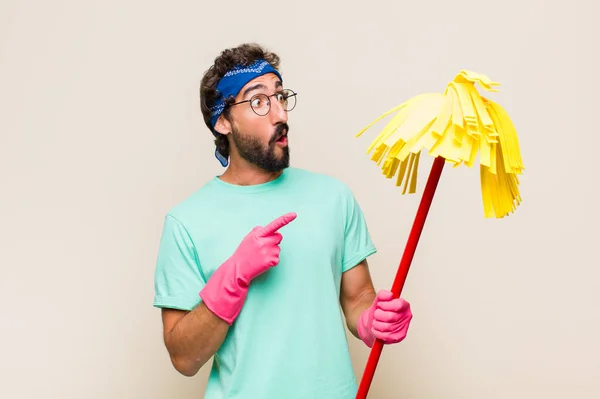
{"x":278,"y":112}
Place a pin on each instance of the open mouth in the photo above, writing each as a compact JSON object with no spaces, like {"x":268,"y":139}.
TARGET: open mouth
{"x":282,"y":139}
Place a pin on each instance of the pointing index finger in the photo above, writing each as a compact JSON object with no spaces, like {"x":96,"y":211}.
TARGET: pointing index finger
{"x":278,"y":223}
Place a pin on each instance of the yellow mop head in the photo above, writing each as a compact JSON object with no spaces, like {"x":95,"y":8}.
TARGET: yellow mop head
{"x":455,"y":125}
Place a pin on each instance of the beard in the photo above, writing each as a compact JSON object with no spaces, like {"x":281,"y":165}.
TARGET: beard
{"x":259,"y":154}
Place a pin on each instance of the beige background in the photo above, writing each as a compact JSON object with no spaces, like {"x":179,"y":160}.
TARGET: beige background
{"x":101,"y":134}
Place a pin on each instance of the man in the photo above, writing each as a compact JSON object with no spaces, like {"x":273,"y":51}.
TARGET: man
{"x":263,"y":264}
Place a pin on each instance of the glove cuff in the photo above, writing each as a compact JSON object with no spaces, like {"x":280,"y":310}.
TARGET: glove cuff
{"x":364,"y":325}
{"x":225,"y":292}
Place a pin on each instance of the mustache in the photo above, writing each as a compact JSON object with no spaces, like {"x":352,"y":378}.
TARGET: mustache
{"x":281,"y":129}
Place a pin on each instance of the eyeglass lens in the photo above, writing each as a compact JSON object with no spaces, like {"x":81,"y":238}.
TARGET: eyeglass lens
{"x":261,"y":103}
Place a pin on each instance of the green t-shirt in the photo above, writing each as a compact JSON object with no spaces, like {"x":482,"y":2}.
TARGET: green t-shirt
{"x":289,"y":341}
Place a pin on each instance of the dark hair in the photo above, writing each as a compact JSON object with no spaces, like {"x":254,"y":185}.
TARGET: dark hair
{"x":244,"y":54}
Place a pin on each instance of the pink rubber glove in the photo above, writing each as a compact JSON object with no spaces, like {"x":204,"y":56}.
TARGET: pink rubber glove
{"x":225,"y":291}
{"x":387,"y":319}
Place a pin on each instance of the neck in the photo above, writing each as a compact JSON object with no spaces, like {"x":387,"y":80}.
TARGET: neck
{"x":242,"y":173}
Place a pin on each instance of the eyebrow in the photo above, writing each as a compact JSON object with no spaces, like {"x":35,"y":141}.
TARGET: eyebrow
{"x":259,"y":86}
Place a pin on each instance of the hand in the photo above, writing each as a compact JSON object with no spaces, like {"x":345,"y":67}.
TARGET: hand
{"x":387,"y":319}
{"x":259,"y":250}
{"x":225,"y":291}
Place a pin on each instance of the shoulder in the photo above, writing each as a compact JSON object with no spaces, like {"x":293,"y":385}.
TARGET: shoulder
{"x":195,"y":204}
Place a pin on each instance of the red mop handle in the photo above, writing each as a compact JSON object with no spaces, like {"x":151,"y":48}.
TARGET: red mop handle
{"x":407,"y":257}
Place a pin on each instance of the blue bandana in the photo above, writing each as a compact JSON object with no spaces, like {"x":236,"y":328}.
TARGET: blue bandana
{"x":231,"y":84}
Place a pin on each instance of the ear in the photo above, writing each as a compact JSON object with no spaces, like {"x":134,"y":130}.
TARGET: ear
{"x":223,"y":126}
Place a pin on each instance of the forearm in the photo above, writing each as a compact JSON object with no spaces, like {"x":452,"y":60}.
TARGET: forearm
{"x":195,"y":338}
{"x":353,"y":316}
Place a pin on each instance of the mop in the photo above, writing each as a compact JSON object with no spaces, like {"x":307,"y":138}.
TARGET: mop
{"x":454,"y":127}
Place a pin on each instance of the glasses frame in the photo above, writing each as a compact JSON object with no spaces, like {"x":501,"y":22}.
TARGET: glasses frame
{"x":293,"y":94}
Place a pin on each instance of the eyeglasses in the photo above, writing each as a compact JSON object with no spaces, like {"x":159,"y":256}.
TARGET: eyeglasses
{"x":261,"y":103}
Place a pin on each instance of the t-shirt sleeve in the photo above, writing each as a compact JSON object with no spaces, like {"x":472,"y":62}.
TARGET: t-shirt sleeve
{"x":178,"y":277}
{"x":357,"y":240}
